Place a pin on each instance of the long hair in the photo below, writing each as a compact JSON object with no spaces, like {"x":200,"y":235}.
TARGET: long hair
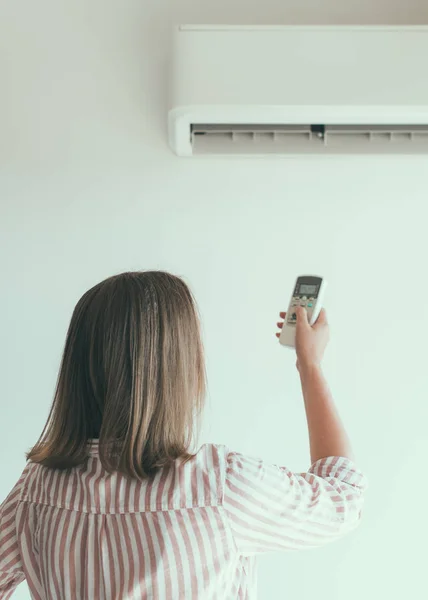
{"x":132,"y":376}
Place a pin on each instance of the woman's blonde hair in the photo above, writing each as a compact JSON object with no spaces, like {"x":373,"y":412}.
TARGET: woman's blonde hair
{"x":132,"y":375}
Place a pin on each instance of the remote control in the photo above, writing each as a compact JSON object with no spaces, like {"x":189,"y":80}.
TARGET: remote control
{"x":308,"y":292}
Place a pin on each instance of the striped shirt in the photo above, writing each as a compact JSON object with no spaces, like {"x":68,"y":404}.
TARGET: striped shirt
{"x":193,"y":531}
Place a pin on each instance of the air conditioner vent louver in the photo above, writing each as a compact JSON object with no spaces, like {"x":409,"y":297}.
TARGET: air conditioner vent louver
{"x":308,"y":139}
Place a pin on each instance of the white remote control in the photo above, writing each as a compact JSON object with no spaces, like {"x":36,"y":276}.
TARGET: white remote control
{"x":308,"y":292}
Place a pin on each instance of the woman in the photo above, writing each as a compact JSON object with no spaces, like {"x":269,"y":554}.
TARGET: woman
{"x":112,"y":504}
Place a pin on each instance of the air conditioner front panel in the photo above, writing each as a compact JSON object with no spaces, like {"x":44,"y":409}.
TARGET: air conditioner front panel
{"x":301,"y":66}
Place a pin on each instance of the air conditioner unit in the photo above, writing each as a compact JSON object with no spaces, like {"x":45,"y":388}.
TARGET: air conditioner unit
{"x":299,"y":90}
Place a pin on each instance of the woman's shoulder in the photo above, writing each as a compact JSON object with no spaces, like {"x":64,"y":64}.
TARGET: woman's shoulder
{"x":212,"y":457}
{"x":206,"y":470}
{"x":222,"y":459}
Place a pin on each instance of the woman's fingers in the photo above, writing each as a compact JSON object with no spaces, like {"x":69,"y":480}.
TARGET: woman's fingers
{"x":280,"y":324}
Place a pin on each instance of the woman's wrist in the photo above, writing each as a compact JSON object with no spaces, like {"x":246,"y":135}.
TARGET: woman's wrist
{"x":308,"y":368}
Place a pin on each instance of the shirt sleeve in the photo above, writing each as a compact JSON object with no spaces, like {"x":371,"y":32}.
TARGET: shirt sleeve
{"x":272,"y":509}
{"x":11,"y":571}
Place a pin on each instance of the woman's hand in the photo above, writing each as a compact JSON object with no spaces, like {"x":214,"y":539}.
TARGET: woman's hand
{"x":311,"y":342}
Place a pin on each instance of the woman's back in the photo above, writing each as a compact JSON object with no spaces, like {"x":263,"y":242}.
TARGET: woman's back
{"x":191,"y":531}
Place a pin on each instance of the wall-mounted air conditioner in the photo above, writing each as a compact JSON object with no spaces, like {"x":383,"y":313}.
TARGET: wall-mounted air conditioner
{"x":299,"y":90}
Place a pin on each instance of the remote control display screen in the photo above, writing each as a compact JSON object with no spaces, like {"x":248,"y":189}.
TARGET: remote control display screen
{"x":307,"y":290}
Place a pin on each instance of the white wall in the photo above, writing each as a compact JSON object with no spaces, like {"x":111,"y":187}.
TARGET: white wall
{"x":89,"y":188}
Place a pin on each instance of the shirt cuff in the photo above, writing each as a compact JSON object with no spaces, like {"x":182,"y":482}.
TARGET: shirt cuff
{"x":339,"y":468}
